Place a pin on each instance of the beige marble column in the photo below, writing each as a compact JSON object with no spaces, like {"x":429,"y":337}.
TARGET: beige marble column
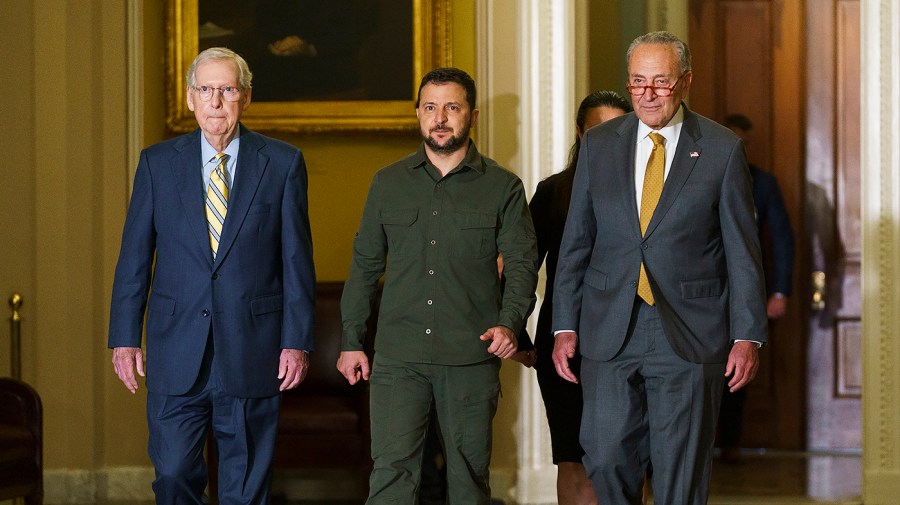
{"x":881,"y":250}
{"x":530,"y":73}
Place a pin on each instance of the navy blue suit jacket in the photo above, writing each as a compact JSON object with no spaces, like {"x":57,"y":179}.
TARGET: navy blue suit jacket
{"x":771,"y":216}
{"x":257,"y":297}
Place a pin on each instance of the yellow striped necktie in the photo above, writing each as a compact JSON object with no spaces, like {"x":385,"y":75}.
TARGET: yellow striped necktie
{"x":217,"y":202}
{"x":653,"y":184}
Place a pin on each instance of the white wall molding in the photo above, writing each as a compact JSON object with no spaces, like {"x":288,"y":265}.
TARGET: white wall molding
{"x":67,"y":486}
{"x":880,"y":161}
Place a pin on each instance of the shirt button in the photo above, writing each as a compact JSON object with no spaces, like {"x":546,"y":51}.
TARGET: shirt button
{"x":433,"y":242}
{"x":431,"y":272}
{"x":205,"y":313}
{"x":428,"y":331}
{"x":434,"y":213}
{"x":430,"y":302}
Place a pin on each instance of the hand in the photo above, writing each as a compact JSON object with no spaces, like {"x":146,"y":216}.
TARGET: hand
{"x":776,"y":307}
{"x":743,"y":362}
{"x":353,"y":365}
{"x":503,"y":343}
{"x":527,"y":358}
{"x":125,"y":360}
{"x":292,"y":368}
{"x":564,"y":350}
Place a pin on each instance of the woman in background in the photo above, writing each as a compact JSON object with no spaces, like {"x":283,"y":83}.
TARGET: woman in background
{"x":549,"y":207}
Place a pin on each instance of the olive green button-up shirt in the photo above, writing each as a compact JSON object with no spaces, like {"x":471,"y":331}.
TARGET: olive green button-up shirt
{"x":436,"y":240}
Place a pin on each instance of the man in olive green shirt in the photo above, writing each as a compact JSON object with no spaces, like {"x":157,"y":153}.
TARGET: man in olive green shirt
{"x":434,"y":223}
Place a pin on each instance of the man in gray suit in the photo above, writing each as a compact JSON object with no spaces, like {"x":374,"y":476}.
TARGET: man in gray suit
{"x":660,"y":276}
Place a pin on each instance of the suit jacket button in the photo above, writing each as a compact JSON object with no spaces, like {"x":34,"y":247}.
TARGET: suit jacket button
{"x":633,"y":284}
{"x":644,"y":246}
{"x":205,"y":313}
{"x":215,"y":276}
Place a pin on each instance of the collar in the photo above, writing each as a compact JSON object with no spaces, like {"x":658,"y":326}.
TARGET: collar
{"x":207,"y":153}
{"x":473,"y":159}
{"x":671,"y":131}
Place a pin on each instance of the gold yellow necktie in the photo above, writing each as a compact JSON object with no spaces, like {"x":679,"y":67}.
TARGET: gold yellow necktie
{"x":653,"y":184}
{"x":217,"y":202}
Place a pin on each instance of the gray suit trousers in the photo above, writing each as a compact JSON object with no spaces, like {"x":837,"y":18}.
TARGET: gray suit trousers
{"x":649,"y":408}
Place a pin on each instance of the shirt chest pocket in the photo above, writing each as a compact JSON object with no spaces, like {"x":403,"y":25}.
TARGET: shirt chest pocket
{"x":475,"y":234}
{"x":400,"y":229}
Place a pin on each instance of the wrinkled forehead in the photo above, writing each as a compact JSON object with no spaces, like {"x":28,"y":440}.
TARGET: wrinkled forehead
{"x":225,"y":71}
{"x":654,"y":60}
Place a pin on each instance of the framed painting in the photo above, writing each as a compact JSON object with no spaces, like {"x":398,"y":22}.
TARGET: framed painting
{"x":318,"y":66}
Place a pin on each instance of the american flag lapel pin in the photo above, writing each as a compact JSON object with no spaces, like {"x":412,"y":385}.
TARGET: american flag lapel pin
{"x":695,"y":154}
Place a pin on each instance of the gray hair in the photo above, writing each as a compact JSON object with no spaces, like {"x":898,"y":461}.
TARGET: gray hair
{"x":667,"y":38}
{"x":245,"y":77}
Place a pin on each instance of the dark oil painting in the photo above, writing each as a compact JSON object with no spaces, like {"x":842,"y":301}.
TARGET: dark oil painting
{"x":317,"y":50}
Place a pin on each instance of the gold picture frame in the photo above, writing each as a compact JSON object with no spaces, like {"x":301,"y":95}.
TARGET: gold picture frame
{"x":353,"y":111}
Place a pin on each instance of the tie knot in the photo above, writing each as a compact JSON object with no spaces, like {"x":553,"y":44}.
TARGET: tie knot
{"x":658,"y":140}
{"x":219,"y":156}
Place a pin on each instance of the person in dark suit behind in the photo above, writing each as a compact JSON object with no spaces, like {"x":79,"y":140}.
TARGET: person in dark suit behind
{"x":562,"y":399}
{"x":778,"y":264}
{"x":659,"y":282}
{"x":222,"y":212}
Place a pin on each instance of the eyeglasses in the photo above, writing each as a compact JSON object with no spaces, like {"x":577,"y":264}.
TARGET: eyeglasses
{"x":657,"y":90}
{"x":229,"y":93}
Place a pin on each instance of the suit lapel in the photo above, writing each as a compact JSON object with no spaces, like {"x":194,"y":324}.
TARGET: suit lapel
{"x":251,"y":167}
{"x":189,"y":183}
{"x":687,"y":152}
{"x":623,"y":162}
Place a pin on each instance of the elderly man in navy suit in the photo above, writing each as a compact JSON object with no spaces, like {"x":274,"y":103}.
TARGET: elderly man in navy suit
{"x":217,"y":250}
{"x":659,"y":282}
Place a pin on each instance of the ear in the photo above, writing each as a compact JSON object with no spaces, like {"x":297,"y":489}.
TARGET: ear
{"x":246,"y":99}
{"x":687,"y":82}
{"x":190,"y":98}
{"x":474,"y":118}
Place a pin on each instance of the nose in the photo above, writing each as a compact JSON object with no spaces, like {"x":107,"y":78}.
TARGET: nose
{"x":216,"y":99}
{"x":652,"y":93}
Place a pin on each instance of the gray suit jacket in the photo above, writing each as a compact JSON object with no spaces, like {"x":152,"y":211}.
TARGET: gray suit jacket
{"x":701,"y":249}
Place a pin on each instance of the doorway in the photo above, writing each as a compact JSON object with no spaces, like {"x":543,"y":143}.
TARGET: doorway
{"x":794,"y":70}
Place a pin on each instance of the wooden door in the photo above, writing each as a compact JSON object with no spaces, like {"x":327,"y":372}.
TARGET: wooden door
{"x":833,"y":224}
{"x":793,"y":68}
{"x":747,"y":58}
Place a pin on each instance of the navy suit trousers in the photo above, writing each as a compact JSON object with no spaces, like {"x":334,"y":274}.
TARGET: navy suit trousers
{"x":244,"y":430}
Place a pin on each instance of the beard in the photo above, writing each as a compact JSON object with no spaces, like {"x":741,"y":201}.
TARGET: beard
{"x":453,"y":144}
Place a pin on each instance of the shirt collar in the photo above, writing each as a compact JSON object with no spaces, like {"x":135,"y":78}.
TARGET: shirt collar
{"x":207,"y":152}
{"x":670,"y":131}
{"x":472,"y":160}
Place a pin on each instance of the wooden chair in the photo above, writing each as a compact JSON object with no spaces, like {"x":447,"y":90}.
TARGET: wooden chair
{"x":21,"y":442}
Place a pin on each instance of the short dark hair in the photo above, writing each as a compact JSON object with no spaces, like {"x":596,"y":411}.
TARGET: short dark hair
{"x":739,"y":121}
{"x":600,"y":99}
{"x":446,"y":75}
